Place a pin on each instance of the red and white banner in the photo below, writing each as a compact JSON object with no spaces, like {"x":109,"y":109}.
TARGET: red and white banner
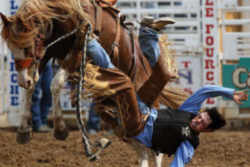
{"x":210,"y":44}
{"x":190,"y":73}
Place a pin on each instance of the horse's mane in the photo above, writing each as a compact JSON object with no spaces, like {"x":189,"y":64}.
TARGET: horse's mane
{"x":36,"y":16}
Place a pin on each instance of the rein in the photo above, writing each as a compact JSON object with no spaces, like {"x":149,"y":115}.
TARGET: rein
{"x":60,"y":38}
{"x":103,"y":143}
{"x":85,"y":140}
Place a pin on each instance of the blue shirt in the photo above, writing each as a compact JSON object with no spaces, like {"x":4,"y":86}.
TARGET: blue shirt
{"x":193,"y":104}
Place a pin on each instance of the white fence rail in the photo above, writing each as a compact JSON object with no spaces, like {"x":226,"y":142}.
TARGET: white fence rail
{"x":184,"y":35}
{"x":235,"y":44}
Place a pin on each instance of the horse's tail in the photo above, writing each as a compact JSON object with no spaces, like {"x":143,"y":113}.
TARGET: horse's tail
{"x":172,"y":97}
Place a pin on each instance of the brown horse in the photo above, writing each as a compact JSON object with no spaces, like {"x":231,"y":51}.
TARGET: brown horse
{"x":44,"y":29}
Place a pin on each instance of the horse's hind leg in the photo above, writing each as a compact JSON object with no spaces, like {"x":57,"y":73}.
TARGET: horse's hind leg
{"x":141,"y":151}
{"x":158,"y":159}
{"x":144,"y":158}
{"x":24,"y":130}
{"x":60,"y":130}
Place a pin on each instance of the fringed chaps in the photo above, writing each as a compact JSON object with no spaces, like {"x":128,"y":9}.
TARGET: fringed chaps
{"x":124,"y":98}
{"x":160,"y":76}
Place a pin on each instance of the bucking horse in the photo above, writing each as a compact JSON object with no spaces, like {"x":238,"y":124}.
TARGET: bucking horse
{"x":59,"y":29}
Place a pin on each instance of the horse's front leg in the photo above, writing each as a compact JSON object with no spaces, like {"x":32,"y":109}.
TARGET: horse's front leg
{"x":60,"y":130}
{"x":24,"y":130}
{"x":144,"y":157}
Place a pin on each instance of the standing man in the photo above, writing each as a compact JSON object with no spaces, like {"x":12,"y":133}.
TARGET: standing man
{"x":42,"y":100}
{"x":93,"y":123}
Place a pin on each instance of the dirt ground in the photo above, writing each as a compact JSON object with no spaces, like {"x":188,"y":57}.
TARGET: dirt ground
{"x":219,"y":149}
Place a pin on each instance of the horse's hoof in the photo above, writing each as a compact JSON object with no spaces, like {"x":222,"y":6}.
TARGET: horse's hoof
{"x":104,"y":142}
{"x":61,"y":134}
{"x":23,"y":136}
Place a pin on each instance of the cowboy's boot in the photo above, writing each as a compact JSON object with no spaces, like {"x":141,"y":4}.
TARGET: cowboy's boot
{"x":156,"y":24}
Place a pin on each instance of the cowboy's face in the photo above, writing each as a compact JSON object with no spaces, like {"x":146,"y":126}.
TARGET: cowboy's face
{"x":201,"y":122}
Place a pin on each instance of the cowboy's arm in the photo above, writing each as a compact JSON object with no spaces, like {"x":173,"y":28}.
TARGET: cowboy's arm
{"x":194,"y":102}
{"x":240,"y":96}
{"x":183,"y":154}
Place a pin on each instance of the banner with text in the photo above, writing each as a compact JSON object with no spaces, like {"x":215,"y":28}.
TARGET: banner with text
{"x":210,"y":45}
{"x":237,"y":76}
{"x":190,"y":73}
{"x":12,"y":93}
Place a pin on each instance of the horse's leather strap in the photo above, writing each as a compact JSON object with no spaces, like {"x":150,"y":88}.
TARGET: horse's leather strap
{"x":98,"y":17}
{"x":132,"y":71}
{"x":115,"y":45}
{"x":98,"y":26}
{"x":99,"y":5}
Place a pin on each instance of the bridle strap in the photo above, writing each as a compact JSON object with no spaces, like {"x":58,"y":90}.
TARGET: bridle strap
{"x":22,"y":64}
{"x":44,"y":60}
{"x":60,"y":39}
{"x":116,"y":43}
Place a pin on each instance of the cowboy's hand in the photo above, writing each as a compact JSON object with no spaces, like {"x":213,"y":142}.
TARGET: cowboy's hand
{"x":240,"y":96}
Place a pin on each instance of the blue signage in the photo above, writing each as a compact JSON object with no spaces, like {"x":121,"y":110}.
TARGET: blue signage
{"x":13,"y":7}
{"x":14,"y":88}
